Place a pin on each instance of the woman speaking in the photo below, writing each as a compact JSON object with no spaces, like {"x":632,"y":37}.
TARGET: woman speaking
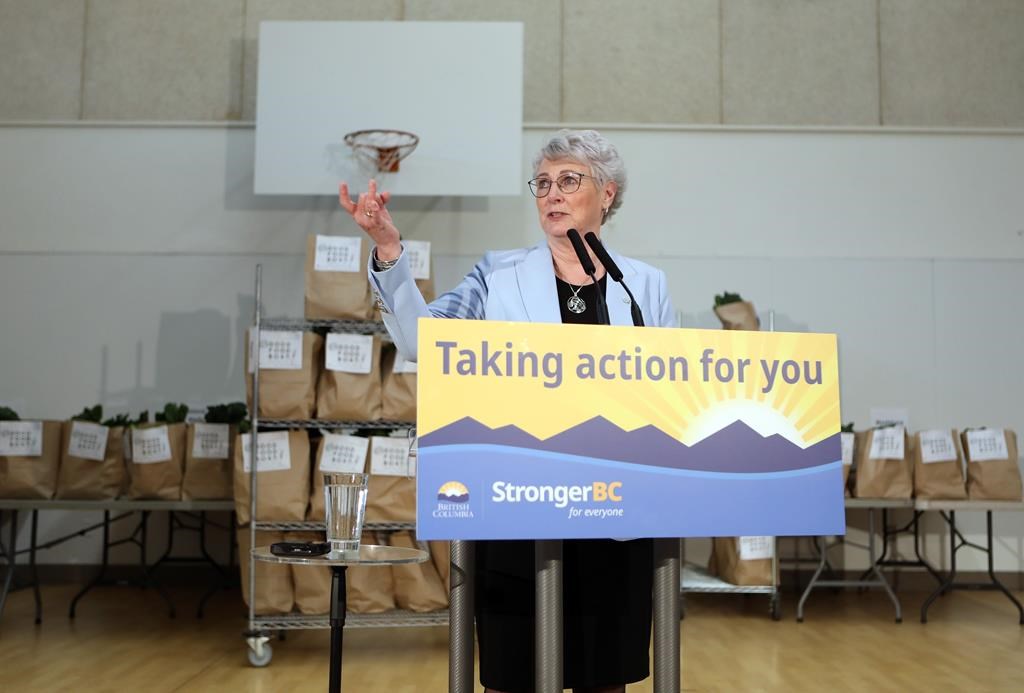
{"x":578,"y":182}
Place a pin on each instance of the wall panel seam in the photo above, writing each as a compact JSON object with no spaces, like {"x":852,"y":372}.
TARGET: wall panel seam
{"x":721,"y":62}
{"x":878,"y":54}
{"x":81,"y":71}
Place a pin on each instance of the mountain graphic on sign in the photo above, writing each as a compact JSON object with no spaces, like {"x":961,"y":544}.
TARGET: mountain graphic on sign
{"x":737,"y":448}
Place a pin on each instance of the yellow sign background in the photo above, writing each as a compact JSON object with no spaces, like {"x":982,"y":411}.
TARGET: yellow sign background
{"x":688,"y":411}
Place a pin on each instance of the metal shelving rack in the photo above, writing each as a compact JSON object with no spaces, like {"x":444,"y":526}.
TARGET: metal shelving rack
{"x":695,"y":579}
{"x":260,"y":627}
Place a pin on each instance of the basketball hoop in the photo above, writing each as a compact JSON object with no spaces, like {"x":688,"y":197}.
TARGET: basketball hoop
{"x":381,"y":149}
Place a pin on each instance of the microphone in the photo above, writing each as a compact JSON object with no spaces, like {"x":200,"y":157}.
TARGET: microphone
{"x":588,"y":267}
{"x":616,"y":274}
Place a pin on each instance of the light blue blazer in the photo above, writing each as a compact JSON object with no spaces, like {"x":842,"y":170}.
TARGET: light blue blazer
{"x":516,"y":285}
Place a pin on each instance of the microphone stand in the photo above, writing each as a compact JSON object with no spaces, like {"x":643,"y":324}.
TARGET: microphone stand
{"x":591,"y":271}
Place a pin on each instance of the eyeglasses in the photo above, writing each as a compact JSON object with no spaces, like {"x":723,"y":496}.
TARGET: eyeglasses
{"x":567,"y":183}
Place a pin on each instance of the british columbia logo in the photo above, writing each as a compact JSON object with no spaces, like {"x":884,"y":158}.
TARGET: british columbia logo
{"x":453,"y":500}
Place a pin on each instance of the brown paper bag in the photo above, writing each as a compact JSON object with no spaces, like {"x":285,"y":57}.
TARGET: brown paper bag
{"x":345,"y":396}
{"x":33,"y":477}
{"x":738,"y":316}
{"x":80,"y":478}
{"x":289,"y":394}
{"x":726,"y":563}
{"x":848,"y":467}
{"x":316,"y":497}
{"x":312,"y":582}
{"x":441,"y":556}
{"x":370,"y":589}
{"x":399,"y":395}
{"x":159,"y":480}
{"x":994,"y":479}
{"x":884,"y":478}
{"x":207,"y":477}
{"x":940,"y":479}
{"x":338,"y":295}
{"x":418,"y":587}
{"x":391,"y":499}
{"x":275,"y":591}
{"x":282,"y":493}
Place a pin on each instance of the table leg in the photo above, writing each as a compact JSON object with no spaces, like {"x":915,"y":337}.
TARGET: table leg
{"x":947,"y":583}
{"x":813,"y":581}
{"x":460,"y":618}
{"x":874,"y":566}
{"x":338,"y":606}
{"x":103,"y":566}
{"x":34,"y":569}
{"x":12,"y":552}
{"x":992,"y":569}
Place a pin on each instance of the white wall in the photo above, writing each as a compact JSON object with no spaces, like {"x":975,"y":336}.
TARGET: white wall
{"x":127,"y":257}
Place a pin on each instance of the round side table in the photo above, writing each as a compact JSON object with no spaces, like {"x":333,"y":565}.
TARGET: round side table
{"x":369,"y":555}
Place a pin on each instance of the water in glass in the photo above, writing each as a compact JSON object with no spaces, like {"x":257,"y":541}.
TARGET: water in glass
{"x":345,"y":503}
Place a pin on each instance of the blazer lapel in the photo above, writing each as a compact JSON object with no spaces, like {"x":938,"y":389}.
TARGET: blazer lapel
{"x":535,"y":275}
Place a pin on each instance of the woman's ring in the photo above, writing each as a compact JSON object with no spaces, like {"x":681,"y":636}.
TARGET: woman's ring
{"x":369,"y":214}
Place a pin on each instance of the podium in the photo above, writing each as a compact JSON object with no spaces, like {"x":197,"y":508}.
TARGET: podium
{"x":552,"y":432}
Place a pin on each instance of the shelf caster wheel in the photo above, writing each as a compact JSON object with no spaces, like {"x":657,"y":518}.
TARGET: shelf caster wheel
{"x":260,"y":652}
{"x":799,"y":619}
{"x":899,"y":620}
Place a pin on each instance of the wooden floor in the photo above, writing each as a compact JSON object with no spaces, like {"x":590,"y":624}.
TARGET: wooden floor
{"x":123,"y":640}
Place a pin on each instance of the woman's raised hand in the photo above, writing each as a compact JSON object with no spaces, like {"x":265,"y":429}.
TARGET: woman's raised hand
{"x":370,"y":213}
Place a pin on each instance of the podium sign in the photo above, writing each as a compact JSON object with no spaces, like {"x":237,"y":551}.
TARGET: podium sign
{"x":540,"y":431}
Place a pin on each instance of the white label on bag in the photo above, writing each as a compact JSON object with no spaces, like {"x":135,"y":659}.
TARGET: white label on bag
{"x":419,"y":258}
{"x":987,"y":444}
{"x":279,"y":351}
{"x":150,"y":445}
{"x":349,"y":353}
{"x":937,"y":446}
{"x":403,"y":366}
{"x":345,"y":454}
{"x":273,"y":454}
{"x":887,"y":443}
{"x":338,"y":253}
{"x":210,"y":441}
{"x":755,"y":548}
{"x":88,"y":440}
{"x":21,"y":438}
{"x":847,"y":443}
{"x":390,"y":457}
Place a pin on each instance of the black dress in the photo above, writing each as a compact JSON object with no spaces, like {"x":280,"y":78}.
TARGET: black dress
{"x":606,"y":596}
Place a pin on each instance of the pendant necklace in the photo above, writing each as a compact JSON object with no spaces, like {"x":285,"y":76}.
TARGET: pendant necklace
{"x":575,"y":303}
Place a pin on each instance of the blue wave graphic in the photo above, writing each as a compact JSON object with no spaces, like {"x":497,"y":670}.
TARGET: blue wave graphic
{"x":612,"y":464}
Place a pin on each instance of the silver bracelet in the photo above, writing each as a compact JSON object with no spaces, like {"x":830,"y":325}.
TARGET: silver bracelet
{"x":382,"y":265}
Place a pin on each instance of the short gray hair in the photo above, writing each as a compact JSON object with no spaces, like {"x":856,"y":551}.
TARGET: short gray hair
{"x":588,"y":147}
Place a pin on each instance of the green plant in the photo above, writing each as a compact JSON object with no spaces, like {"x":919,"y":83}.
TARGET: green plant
{"x":848,"y":428}
{"x":245,"y":426}
{"x":173,"y":413}
{"x":119,"y":420}
{"x":8,"y":414}
{"x":233,"y":413}
{"x":93,"y":414}
{"x":725,"y":298}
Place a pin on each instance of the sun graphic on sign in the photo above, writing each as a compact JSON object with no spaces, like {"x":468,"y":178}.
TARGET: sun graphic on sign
{"x":796,"y":398}
{"x":453,"y":492}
